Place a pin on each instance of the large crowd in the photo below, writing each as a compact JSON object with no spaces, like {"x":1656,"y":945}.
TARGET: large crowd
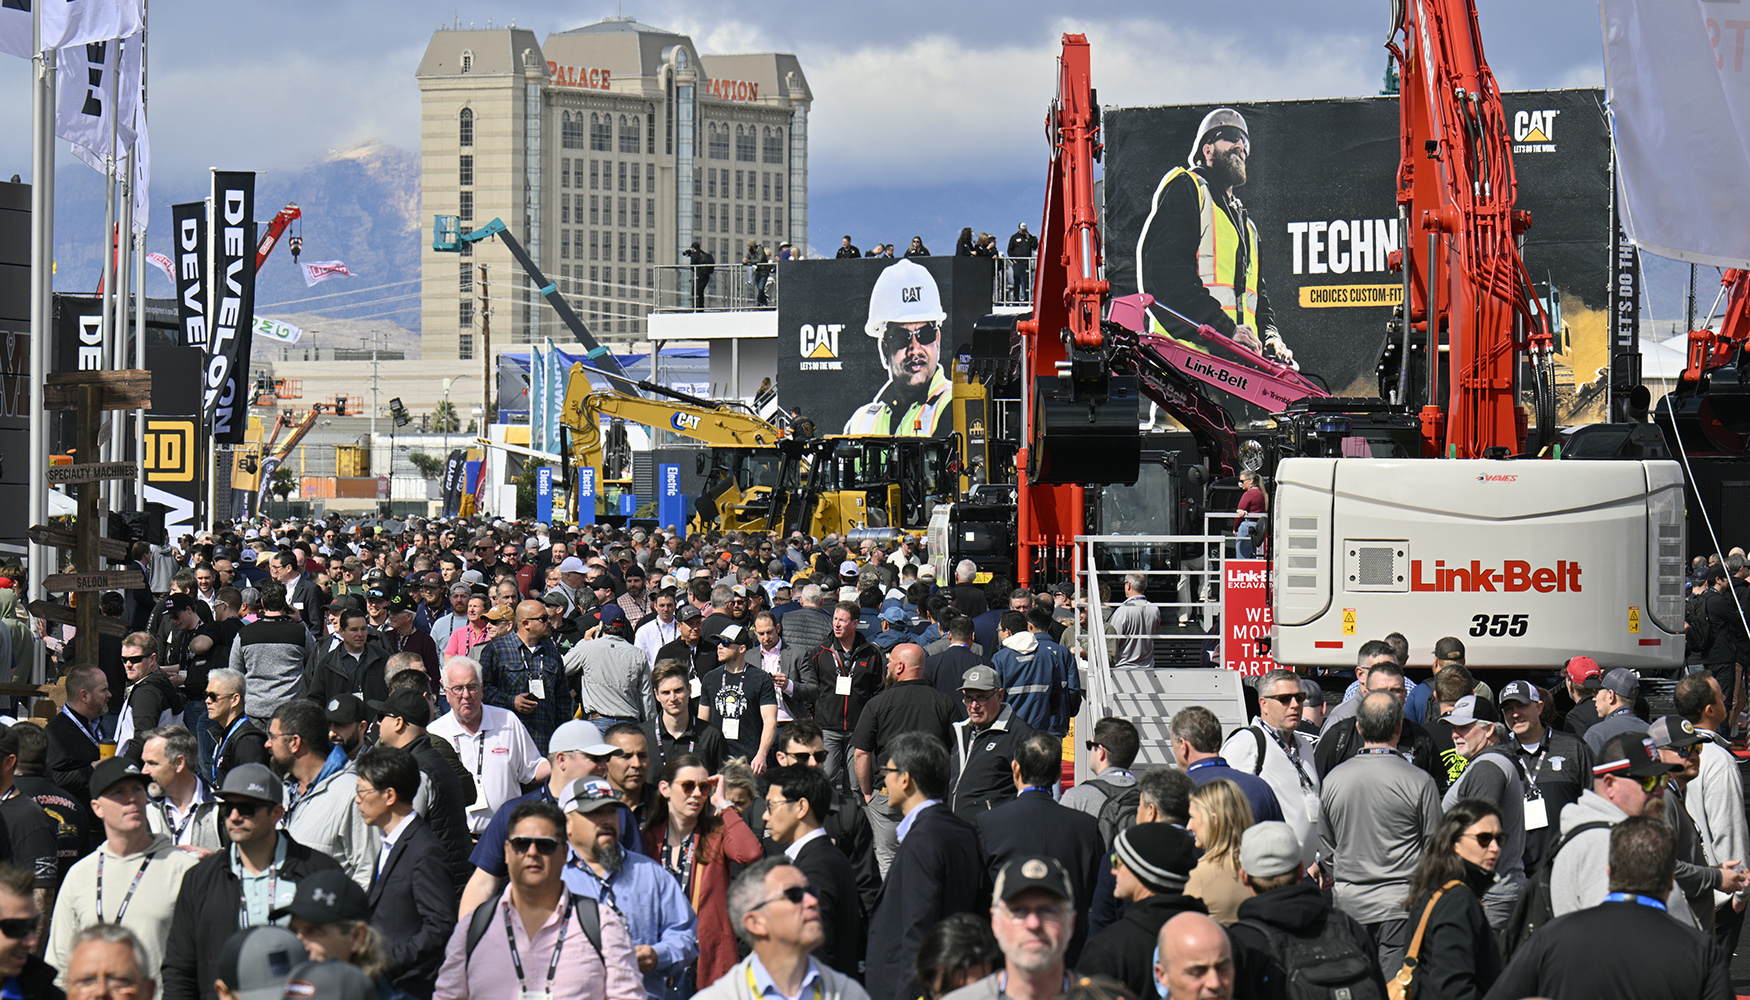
{"x":471,"y":759}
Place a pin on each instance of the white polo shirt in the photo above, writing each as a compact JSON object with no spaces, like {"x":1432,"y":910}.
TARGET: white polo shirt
{"x":501,"y":757}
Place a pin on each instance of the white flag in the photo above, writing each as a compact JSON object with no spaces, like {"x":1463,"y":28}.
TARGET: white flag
{"x":163,"y":263}
{"x":83,"y":111}
{"x":1680,"y":115}
{"x":273,"y":329}
{"x":66,"y":22}
{"x":316,"y":271}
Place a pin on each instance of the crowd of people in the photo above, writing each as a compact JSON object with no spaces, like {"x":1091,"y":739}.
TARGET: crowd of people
{"x":510,"y":759}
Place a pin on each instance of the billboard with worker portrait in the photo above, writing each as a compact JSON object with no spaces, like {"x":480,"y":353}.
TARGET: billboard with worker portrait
{"x":1319,"y":183}
{"x":865,"y":345}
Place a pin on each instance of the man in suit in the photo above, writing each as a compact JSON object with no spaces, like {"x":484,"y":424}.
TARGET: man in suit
{"x":845,"y":820}
{"x":1034,"y":823}
{"x":798,"y":800}
{"x":302,"y":594}
{"x":412,"y":896}
{"x":943,"y":670}
{"x":938,"y":872}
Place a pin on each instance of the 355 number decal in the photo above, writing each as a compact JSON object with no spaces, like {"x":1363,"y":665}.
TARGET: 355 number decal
{"x":1500,"y":625}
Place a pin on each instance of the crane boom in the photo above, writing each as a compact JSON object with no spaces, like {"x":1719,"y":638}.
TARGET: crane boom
{"x":276,"y":229}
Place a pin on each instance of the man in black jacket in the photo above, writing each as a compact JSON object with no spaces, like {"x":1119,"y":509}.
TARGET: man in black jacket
{"x":20,"y":969}
{"x":413,"y":896}
{"x":353,"y":667}
{"x":1286,"y":906}
{"x":303,"y":596}
{"x":944,"y":670}
{"x":798,"y":800}
{"x":438,"y":799}
{"x":984,"y":745}
{"x":850,"y":671}
{"x":1339,"y":741}
{"x":151,"y":699}
{"x":1151,"y":864}
{"x":1626,"y":946}
{"x":237,"y":739}
{"x":75,"y":741}
{"x":846,"y":821}
{"x":1034,"y":824}
{"x":938,"y":872}
{"x":213,"y":902}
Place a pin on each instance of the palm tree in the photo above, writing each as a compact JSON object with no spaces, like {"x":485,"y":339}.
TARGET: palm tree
{"x":444,"y":419}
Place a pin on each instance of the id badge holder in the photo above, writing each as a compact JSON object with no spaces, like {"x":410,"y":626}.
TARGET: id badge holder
{"x":1536,"y":814}
{"x":732,"y":729}
{"x":842,"y":686}
{"x":694,"y":688}
{"x":537,"y":688}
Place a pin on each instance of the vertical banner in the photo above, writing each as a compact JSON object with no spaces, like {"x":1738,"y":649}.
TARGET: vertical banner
{"x":544,"y":494}
{"x":1245,"y":616}
{"x":233,"y":294}
{"x":1625,"y":319}
{"x":455,"y":476}
{"x":188,"y":225}
{"x":670,"y":505}
{"x":628,"y":504}
{"x":586,"y":496}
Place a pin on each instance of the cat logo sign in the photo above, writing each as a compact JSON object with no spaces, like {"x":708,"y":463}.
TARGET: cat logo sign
{"x":1535,"y":131}
{"x":820,"y":347}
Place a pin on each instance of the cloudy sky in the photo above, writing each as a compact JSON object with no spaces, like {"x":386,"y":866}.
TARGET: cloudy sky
{"x":927,"y":116}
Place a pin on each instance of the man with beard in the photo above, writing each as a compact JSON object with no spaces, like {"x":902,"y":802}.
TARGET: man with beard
{"x":661,"y":923}
{"x":347,"y":722}
{"x":1198,"y":252}
{"x":906,"y":317}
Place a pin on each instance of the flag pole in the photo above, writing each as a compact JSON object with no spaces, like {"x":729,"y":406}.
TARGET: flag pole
{"x":140,"y":293}
{"x":111,"y":246}
{"x":42,"y":249}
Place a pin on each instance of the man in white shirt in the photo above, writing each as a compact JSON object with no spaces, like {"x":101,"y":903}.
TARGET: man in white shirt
{"x":445,"y":625}
{"x":659,"y":631}
{"x":185,"y":809}
{"x":1287,"y":761}
{"x":491,"y":742}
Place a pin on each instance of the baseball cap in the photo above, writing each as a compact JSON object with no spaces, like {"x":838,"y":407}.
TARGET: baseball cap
{"x":571,"y":564}
{"x":732,"y":633}
{"x":580,"y":736}
{"x":460,"y":588}
{"x":848,"y":568}
{"x":894,"y":616}
{"x":1674,"y":732}
{"x":346,"y":602}
{"x":1581,"y":669}
{"x":1464,"y":712}
{"x":1637,"y":760}
{"x":400,"y":603}
{"x":927,"y":573}
{"x":253,"y":781}
{"x":471,"y":577}
{"x":847,"y":593}
{"x":177,"y":603}
{"x":328,"y":981}
{"x":687,"y":612}
{"x":324,"y":897}
{"x":1161,"y":855}
{"x":1621,"y":681}
{"x":1520,"y":691}
{"x":738,"y":590}
{"x":633,"y":570}
{"x":405,"y":704}
{"x":1022,"y":874}
{"x":256,"y":961}
{"x":980,"y":678}
{"x":554,"y":599}
{"x":113,"y":770}
{"x":1269,"y":849}
{"x":346,"y":708}
{"x":609,"y":613}
{"x":587,"y":795}
{"x":497,"y":613}
{"x":432,"y":580}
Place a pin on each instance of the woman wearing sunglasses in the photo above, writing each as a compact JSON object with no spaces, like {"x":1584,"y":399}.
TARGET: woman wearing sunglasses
{"x":1453,"y":949}
{"x":696,"y":834}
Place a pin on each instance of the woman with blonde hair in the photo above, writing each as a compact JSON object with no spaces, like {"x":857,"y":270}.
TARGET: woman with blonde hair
{"x":1220,"y":815}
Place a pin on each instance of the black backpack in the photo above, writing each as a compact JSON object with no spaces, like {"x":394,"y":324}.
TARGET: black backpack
{"x":1328,"y":965}
{"x":1118,"y":812}
{"x":1535,"y":908}
{"x":589,"y":917}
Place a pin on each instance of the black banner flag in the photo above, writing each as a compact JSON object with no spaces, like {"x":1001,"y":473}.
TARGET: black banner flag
{"x":233,"y":296}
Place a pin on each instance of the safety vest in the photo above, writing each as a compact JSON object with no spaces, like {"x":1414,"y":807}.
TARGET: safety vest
{"x":1220,"y":253}
{"x":918,"y":420}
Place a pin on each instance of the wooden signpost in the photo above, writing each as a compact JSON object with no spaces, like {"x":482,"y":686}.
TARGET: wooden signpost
{"x":90,"y":393}
{"x":60,"y":614}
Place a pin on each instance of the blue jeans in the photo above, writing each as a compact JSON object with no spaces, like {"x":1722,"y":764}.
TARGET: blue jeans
{"x":194,"y":716}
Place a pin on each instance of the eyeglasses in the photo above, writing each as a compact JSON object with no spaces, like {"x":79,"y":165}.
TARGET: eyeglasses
{"x":897,"y":336}
{"x":19,"y":928}
{"x":1685,"y":751}
{"x":134,"y":659}
{"x":1050,"y":911}
{"x":216,"y":695}
{"x":807,"y":756}
{"x":463,"y":688}
{"x":244,"y":809}
{"x":544,"y":846}
{"x":970,"y":696}
{"x":794,"y":894}
{"x":1485,"y":837}
{"x":689,"y":787}
{"x":1093,"y":745}
{"x":1288,"y":699}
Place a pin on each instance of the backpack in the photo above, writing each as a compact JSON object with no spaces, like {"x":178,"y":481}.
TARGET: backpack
{"x":1257,"y":734}
{"x":1328,"y":965}
{"x":1118,"y":812}
{"x":1535,"y":908}
{"x":589,"y":917}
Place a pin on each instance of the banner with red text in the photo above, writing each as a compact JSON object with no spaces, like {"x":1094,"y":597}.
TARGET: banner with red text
{"x":1245,"y":616}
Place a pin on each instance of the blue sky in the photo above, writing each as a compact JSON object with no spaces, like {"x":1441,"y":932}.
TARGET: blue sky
{"x":927,"y":116}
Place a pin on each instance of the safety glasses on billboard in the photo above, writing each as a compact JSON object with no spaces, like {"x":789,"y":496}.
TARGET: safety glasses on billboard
{"x":897,"y":336}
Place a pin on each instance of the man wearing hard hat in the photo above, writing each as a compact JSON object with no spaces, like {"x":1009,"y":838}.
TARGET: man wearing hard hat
{"x":905,"y":315}
{"x":1198,"y":252}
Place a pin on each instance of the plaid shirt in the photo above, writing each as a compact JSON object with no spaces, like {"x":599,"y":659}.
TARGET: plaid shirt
{"x":507,"y":666}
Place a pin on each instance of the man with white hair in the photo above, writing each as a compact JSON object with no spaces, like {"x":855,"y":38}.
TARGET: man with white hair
{"x":1134,"y":623}
{"x":966,"y":594}
{"x":776,"y":913}
{"x":491,"y":742}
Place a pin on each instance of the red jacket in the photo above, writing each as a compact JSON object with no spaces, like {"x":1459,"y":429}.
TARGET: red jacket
{"x":726,"y":841}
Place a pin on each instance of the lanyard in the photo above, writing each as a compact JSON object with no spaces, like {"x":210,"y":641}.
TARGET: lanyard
{"x":273,"y":881}
{"x":91,"y":732}
{"x":603,"y":887}
{"x":1629,"y":897}
{"x":176,"y":835}
{"x":131,"y":887}
{"x":219,"y":754}
{"x":1292,"y":751}
{"x":1380,"y":750}
{"x":755,"y":990}
{"x":679,"y":861}
{"x":558,"y":946}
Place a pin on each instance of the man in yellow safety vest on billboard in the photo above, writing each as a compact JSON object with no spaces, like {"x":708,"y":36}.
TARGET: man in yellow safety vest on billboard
{"x":905,"y":314}
{"x":1198,"y":252}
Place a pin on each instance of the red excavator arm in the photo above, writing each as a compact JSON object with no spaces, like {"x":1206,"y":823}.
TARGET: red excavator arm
{"x":275,"y":230}
{"x":1460,"y":232}
{"x":1709,"y":349}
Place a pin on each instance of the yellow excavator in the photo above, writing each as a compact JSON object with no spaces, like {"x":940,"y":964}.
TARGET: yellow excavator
{"x":762,"y":477}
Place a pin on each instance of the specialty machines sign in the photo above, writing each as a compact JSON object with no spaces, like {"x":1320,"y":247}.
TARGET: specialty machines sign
{"x":1320,"y":185}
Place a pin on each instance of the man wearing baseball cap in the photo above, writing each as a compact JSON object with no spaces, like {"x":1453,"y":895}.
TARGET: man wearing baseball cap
{"x":1557,"y":767}
{"x":1493,"y":773}
{"x":1285,"y":907}
{"x":1615,"y":702}
{"x":256,"y":961}
{"x":1625,"y":777}
{"x":1678,"y":742}
{"x":1032,"y":914}
{"x":405,"y":636}
{"x":1575,"y":712}
{"x":404,"y":716}
{"x":259,"y":872}
{"x":613,"y":675}
{"x":740,"y":698}
{"x":983,"y":750}
{"x":131,"y":879}
{"x":331,"y":917}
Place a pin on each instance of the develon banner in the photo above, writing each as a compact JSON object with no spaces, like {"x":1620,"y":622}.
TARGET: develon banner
{"x":233,"y":319}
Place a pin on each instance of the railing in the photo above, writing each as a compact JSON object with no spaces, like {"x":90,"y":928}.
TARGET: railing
{"x":730,"y":287}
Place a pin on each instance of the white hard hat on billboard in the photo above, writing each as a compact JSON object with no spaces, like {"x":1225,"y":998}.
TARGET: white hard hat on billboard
{"x":1219,"y":118}
{"x":904,"y":293}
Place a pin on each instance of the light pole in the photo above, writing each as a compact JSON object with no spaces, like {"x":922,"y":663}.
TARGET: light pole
{"x":450,"y":411}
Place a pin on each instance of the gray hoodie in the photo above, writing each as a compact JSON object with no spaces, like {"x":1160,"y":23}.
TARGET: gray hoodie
{"x":733,"y":986}
{"x":1580,"y":875}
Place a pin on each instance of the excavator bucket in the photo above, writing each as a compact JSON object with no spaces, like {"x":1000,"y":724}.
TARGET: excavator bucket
{"x":1084,"y":437}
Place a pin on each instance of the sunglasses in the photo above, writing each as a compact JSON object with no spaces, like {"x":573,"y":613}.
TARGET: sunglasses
{"x":216,"y":695}
{"x":689,"y":787}
{"x":897,"y":336}
{"x":244,"y":809}
{"x":133,"y":659}
{"x":809,"y":756}
{"x":1092,"y":746}
{"x":1651,"y":783}
{"x":545,"y":846}
{"x":1287,"y":699}
{"x":1485,"y":838}
{"x":18,"y":928}
{"x":794,"y":894}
